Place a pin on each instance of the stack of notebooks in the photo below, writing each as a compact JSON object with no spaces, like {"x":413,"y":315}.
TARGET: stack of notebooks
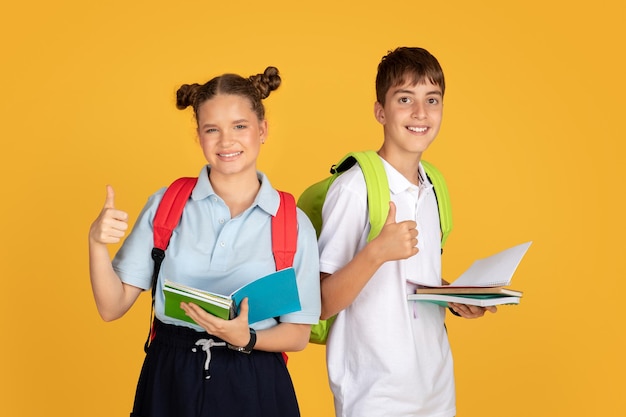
{"x":483,"y":284}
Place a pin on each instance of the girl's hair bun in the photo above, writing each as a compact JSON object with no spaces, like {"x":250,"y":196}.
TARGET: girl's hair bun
{"x":186,"y":95}
{"x":267,"y":82}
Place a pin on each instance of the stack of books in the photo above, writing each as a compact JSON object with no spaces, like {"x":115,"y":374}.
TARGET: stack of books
{"x":270,"y":296}
{"x":483,"y":284}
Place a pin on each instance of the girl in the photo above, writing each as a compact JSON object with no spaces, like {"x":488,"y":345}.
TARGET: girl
{"x":214,"y":367}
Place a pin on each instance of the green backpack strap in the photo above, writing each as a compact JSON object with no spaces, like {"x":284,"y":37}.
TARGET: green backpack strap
{"x":443,"y":199}
{"x":312,"y":199}
{"x":377,"y":185}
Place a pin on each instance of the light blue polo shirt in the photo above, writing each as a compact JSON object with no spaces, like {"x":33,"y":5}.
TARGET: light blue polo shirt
{"x":211,"y":251}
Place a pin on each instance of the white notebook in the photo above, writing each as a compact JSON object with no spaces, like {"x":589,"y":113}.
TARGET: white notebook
{"x":493,"y":271}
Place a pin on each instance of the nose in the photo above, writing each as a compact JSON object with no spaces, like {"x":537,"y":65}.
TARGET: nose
{"x":226,"y":138}
{"x":419,"y":111}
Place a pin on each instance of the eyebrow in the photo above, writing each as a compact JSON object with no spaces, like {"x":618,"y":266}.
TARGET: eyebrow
{"x":234,"y":122}
{"x":401,"y":91}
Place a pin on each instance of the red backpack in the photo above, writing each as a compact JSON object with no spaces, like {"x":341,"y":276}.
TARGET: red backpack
{"x":170,"y":210}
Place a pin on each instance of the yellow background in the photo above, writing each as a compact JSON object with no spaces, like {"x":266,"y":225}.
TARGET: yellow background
{"x":532,"y":146}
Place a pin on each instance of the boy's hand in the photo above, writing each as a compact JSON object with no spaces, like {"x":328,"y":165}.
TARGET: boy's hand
{"x":111,"y":224}
{"x":235,"y":331}
{"x":397,"y":240}
{"x":471,"y":312}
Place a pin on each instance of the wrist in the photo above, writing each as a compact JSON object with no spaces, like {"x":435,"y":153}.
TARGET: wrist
{"x":372,"y":255}
{"x":454,"y":312}
{"x":247,"y":348}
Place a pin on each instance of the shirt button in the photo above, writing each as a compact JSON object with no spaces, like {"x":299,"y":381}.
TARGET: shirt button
{"x":222,"y":244}
{"x":221,"y":221}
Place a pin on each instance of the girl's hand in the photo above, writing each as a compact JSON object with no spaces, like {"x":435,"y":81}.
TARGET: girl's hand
{"x":111,"y":224}
{"x":235,"y":331}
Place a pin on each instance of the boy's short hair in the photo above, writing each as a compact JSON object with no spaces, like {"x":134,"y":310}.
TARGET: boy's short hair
{"x":407,"y":62}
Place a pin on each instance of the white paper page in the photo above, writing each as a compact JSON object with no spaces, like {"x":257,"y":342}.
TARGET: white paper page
{"x":496,"y":270}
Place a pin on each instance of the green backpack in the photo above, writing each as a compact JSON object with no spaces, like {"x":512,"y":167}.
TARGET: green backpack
{"x":312,"y":200}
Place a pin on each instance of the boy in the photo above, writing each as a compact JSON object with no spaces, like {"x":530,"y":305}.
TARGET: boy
{"x":387,"y":356}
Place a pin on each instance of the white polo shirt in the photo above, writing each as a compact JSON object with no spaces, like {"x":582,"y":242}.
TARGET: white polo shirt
{"x":387,"y":356}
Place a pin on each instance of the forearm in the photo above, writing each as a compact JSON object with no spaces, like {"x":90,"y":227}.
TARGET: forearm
{"x":113,"y":298}
{"x":285,"y":337}
{"x":341,"y":288}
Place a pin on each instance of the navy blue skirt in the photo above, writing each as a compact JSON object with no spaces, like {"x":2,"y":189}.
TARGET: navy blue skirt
{"x":193,"y":374}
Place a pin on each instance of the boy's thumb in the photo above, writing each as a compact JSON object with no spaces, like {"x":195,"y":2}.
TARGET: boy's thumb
{"x":391,"y":215}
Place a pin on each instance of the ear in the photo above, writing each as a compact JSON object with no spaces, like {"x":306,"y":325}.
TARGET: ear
{"x":263,"y":127}
{"x":379,"y":113}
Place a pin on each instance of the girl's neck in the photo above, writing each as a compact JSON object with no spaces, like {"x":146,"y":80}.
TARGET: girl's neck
{"x":238,"y":193}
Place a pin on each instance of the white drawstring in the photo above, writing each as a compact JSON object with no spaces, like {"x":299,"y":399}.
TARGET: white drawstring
{"x":207,"y":344}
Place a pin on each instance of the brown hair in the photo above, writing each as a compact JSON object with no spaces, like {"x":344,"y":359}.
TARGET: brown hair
{"x":255,"y":88}
{"x":405,"y":63}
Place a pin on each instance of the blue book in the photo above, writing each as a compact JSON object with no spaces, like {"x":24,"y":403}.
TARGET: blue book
{"x":270,"y":296}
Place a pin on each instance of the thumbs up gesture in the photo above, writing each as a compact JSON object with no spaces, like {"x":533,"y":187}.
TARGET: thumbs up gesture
{"x":397,"y":240}
{"x":111,"y":224}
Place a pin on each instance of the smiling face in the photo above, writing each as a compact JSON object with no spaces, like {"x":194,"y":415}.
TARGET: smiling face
{"x":230,"y":134}
{"x":411,"y":117}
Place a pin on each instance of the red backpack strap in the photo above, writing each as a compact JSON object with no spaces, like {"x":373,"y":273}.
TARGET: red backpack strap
{"x":285,"y":231}
{"x":285,"y":235}
{"x":171,"y":209}
{"x":166,"y":219}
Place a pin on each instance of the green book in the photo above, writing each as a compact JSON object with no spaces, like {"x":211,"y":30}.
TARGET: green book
{"x":269,"y":296}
